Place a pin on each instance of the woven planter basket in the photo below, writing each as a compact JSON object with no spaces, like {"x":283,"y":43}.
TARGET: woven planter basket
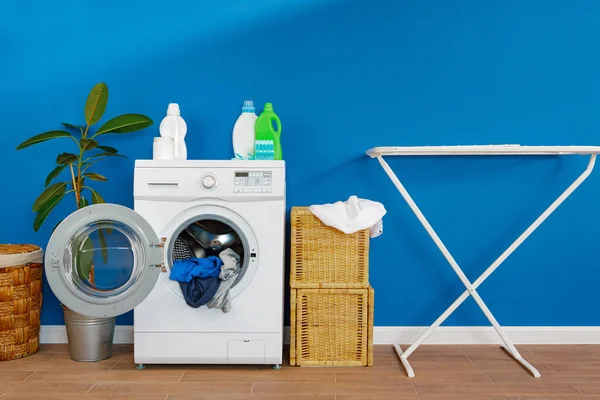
{"x":20,"y":300}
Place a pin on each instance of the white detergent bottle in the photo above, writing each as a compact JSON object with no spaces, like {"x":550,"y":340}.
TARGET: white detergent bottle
{"x":243,"y":131}
{"x":174,"y":126}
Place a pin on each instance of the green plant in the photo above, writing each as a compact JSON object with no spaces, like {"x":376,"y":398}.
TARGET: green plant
{"x":88,"y":153}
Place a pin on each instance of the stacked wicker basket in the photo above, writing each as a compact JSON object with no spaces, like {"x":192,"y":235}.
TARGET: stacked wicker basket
{"x":331,"y":301}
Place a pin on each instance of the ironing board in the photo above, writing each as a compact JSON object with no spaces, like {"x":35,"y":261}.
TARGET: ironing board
{"x":471,"y":287}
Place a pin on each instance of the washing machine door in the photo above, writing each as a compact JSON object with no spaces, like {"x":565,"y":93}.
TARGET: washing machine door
{"x":103,"y":260}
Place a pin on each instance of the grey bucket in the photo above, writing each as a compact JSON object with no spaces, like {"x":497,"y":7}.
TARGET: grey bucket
{"x":90,"y":339}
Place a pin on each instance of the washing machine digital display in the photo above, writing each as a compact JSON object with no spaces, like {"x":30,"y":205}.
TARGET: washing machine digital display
{"x":253,"y":182}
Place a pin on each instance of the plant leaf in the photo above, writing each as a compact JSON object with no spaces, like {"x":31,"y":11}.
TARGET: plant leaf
{"x":42,"y":137}
{"x":45,"y":210}
{"x":66,"y":158}
{"x":55,"y":172}
{"x":108,"y":149}
{"x":51,"y":191}
{"x":84,"y":258}
{"x":86,"y":165}
{"x":95,"y":177}
{"x":88,"y":144}
{"x":83,"y":202}
{"x":80,"y":128}
{"x":124,"y":124}
{"x":98,"y":157}
{"x":96,"y":198}
{"x":103,"y":245}
{"x":96,"y":103}
{"x":107,"y":155}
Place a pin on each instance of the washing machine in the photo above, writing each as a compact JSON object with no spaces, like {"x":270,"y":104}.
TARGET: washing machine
{"x":105,"y":260}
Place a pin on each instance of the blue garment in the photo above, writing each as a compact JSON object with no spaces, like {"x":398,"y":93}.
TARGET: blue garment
{"x":199,"y":291}
{"x":186,"y":270}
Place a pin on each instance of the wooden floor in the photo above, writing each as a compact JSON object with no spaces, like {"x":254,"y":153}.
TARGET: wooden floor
{"x":443,"y":372}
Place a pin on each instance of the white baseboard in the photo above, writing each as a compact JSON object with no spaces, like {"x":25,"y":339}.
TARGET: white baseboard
{"x":408,"y":334}
{"x":487,"y":335}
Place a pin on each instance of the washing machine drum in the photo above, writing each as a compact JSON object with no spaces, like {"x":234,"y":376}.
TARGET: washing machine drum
{"x":213,"y":236}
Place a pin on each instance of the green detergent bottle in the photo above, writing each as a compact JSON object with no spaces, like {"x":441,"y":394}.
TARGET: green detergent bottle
{"x":266,"y":133}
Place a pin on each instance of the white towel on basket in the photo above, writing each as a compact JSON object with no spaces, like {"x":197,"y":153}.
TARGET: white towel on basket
{"x":352,"y":215}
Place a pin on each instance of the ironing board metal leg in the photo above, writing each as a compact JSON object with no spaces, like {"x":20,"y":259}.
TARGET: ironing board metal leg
{"x":471,"y":287}
{"x":404,"y":360}
{"x":526,"y":364}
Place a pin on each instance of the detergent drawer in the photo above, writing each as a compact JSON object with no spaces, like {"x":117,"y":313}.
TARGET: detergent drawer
{"x":160,"y":184}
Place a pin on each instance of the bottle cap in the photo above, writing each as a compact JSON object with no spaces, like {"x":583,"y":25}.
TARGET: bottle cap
{"x":268,"y":107}
{"x":173,"y":109}
{"x":248,"y":106}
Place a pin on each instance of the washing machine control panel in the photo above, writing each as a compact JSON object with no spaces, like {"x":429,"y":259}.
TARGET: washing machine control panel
{"x":253,"y":182}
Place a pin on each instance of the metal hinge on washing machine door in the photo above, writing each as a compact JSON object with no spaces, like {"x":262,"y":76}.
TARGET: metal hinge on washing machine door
{"x":161,"y":245}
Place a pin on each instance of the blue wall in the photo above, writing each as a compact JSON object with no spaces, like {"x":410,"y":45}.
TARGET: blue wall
{"x":344,"y":76}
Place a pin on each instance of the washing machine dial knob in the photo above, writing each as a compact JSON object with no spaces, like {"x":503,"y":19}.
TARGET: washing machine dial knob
{"x":209,"y":181}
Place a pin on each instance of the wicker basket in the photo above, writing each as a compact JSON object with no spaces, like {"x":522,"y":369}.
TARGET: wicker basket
{"x":20,"y":300}
{"x":324,"y":257}
{"x":331,"y":327}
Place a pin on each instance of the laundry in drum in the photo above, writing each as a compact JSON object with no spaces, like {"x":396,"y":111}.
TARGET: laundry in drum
{"x":199,"y":291}
{"x":229,"y":274}
{"x":207,"y":261}
{"x":213,"y":291}
{"x":186,"y":270}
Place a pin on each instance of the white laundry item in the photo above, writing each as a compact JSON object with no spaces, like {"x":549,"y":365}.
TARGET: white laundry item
{"x":352,"y":215}
{"x":229,"y":273}
{"x":377,"y":229}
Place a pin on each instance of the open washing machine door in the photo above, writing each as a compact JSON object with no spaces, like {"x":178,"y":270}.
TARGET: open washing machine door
{"x":103,"y":260}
